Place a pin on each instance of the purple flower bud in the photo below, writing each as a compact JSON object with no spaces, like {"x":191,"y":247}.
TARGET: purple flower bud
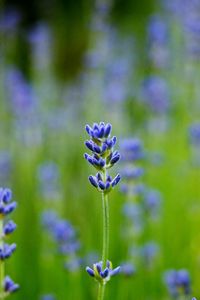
{"x":114,"y":140}
{"x":99,"y":177}
{"x":96,"y":162}
{"x":93,"y":181}
{"x":104,"y":148}
{"x":116,"y":180}
{"x":9,"y":227}
{"x":102,"y":185}
{"x":108,"y":264}
{"x":9,"y":285}
{"x":96,"y":127}
{"x":89,"y":145}
{"x":109,"y":178}
{"x":115,"y":271}
{"x":115,"y":159}
{"x":88,"y":158}
{"x":9,"y":208}
{"x":108,"y":129}
{"x":101,"y":131}
{"x":102,"y":162}
{"x":107,"y":186}
{"x":90,"y":271}
{"x":95,"y":134}
{"x":7,"y":250}
{"x":99,"y":267}
{"x":97,"y":149}
{"x":5,"y":195}
{"x":88,"y":129}
{"x":105,"y":273}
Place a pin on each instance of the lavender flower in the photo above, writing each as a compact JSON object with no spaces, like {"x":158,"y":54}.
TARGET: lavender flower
{"x":131,"y":149}
{"x":156,"y":94}
{"x":149,"y":252}
{"x":64,"y":234}
{"x":157,"y":41}
{"x":10,"y":286}
{"x":103,"y":157}
{"x":127,"y":269}
{"x":178,"y":282}
{"x":48,"y":176}
{"x":7,"y":286}
{"x":100,"y":274}
{"x":151,"y":202}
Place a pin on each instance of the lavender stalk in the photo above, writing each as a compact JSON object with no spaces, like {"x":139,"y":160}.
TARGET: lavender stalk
{"x":103,"y":158}
{"x":7,"y":286}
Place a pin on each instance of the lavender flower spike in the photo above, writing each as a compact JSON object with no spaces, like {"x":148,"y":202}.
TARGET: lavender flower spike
{"x":102,"y":157}
{"x":7,"y":286}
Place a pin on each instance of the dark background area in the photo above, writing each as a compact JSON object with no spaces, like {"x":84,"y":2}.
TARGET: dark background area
{"x":69,"y":21}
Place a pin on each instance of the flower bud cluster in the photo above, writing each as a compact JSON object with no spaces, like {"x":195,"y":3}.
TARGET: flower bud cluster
{"x":6,"y":206}
{"x":103,"y":156}
{"x":64,"y":234}
{"x":6,"y":250}
{"x":100,"y":274}
{"x":178,"y":282}
{"x":9,"y":285}
{"x":98,"y":182}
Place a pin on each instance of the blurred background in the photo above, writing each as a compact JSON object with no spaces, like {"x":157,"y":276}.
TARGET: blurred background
{"x":135,"y":64}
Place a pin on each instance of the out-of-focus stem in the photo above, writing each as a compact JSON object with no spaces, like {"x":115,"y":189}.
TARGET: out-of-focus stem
{"x":105,"y":229}
{"x":101,"y":292}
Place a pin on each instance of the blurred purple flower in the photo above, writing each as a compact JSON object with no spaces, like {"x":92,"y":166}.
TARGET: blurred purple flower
{"x":178,"y":282}
{"x":194,"y":134}
{"x":155,"y":93}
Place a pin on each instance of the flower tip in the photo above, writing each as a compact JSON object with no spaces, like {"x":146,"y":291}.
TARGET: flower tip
{"x":115,"y":271}
{"x":89,"y":271}
{"x":88,"y":129}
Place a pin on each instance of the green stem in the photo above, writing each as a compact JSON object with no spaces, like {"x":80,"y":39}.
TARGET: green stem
{"x":101,"y":291}
{"x":2,"y":267}
{"x":105,"y":229}
{"x":105,"y":207}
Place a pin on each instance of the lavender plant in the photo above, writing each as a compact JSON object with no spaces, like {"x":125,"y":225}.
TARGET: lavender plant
{"x":7,"y":285}
{"x":103,"y":158}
